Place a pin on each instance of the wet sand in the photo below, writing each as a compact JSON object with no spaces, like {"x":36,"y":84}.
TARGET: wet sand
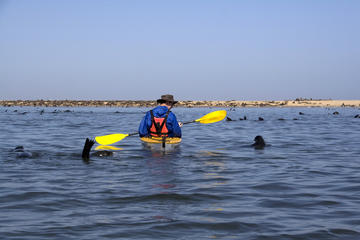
{"x":189,"y":104}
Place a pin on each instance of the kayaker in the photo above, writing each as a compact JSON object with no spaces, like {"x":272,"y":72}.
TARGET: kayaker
{"x":160,"y":121}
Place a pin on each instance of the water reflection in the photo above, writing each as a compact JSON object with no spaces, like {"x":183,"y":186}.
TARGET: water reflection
{"x":161,"y":181}
{"x":107,"y":147}
{"x":213,"y":167}
{"x":157,"y":150}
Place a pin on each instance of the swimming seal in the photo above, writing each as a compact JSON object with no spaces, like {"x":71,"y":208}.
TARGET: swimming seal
{"x":87,"y":148}
{"x":357,"y":116}
{"x":89,"y":143}
{"x":21,"y":153}
{"x":259,"y":142}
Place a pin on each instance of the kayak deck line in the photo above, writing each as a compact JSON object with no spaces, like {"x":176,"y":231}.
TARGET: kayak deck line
{"x":160,"y":140}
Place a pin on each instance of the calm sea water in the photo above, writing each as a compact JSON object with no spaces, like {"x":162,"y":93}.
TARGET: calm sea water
{"x":306,"y":185}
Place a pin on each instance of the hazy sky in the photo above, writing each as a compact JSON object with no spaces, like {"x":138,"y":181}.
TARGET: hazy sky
{"x":194,"y":49}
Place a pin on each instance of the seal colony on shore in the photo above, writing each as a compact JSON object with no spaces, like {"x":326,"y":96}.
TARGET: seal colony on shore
{"x":189,"y":104}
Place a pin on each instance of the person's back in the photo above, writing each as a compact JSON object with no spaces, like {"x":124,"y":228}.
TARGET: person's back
{"x":160,"y":121}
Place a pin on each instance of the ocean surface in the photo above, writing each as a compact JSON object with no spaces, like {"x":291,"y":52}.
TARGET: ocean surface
{"x":214,"y":185}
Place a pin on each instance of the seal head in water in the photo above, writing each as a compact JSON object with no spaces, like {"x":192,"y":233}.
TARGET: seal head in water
{"x":21,"y":153}
{"x":259,"y":142}
{"x":229,"y":119}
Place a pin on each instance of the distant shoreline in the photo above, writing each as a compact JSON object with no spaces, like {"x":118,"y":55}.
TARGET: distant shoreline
{"x":186,"y":104}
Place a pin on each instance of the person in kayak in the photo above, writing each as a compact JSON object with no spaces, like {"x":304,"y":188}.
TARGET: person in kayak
{"x":160,"y":121}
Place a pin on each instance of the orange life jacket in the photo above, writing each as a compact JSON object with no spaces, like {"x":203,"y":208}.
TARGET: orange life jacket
{"x":158,"y":125}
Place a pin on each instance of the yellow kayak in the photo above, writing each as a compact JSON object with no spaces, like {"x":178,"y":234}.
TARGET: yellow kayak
{"x":169,"y":140}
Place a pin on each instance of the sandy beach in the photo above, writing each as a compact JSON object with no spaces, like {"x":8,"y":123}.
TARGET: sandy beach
{"x":189,"y":104}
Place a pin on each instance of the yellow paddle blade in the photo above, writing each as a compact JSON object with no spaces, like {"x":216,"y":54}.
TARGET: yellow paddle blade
{"x":212,"y":117}
{"x":103,"y":147}
{"x":110,"y":139}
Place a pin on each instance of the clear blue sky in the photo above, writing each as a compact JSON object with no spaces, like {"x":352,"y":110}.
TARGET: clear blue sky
{"x":194,"y":49}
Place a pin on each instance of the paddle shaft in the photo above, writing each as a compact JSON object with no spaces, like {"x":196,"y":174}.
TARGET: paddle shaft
{"x":189,"y":122}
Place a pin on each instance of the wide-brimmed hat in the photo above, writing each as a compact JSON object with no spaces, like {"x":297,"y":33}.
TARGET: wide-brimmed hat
{"x":167,"y":98}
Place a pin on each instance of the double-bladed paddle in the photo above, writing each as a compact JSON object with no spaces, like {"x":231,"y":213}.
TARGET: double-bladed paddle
{"x":212,"y":117}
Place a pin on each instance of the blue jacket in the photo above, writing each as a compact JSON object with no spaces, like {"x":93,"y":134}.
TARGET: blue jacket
{"x":171,"y":123}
